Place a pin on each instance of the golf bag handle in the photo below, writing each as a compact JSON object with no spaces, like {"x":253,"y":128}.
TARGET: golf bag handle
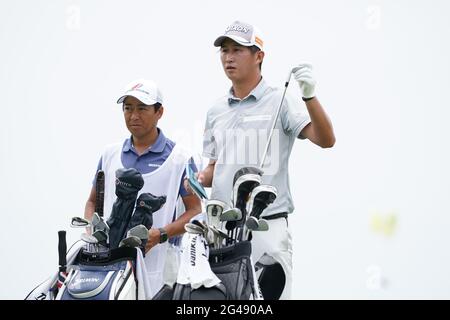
{"x":100,"y":192}
{"x":62,"y":249}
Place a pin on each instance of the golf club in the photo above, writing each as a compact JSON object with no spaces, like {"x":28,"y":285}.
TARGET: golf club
{"x":78,"y":222}
{"x":214,"y":209}
{"x":131,"y":241}
{"x":286,"y":84}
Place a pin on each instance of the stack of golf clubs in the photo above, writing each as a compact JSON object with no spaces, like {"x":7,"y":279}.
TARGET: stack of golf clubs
{"x":134,"y":226}
{"x":97,"y":238}
{"x":250,"y":198}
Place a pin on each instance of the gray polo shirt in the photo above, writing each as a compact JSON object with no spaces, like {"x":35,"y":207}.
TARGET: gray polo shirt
{"x":236,"y":133}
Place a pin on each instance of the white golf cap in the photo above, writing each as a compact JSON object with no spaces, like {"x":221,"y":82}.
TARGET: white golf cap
{"x":145,"y":91}
{"x":243,"y":33}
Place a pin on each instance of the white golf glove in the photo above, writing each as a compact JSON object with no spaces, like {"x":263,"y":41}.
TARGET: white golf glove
{"x":303,"y":75}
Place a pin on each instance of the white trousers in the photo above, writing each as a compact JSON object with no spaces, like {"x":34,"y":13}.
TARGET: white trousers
{"x":276,"y":243}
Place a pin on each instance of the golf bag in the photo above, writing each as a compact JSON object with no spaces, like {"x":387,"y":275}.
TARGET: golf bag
{"x":98,"y":270}
{"x":232,"y":265}
{"x":96,"y":277}
{"x":109,"y":272}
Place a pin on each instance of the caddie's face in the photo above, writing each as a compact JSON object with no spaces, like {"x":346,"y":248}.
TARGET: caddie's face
{"x":140,"y":118}
{"x":239,"y":62}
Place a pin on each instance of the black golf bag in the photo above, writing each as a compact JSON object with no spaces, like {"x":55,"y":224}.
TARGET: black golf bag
{"x":232,"y":265}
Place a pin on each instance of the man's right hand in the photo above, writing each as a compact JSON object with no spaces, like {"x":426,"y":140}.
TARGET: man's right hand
{"x":200,"y":178}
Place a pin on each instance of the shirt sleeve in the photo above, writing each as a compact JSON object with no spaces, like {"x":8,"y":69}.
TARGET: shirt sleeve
{"x":183,"y":192}
{"x":209,"y":141}
{"x":294,"y":116}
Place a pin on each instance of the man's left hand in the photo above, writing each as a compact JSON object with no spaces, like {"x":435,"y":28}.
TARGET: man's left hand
{"x":303,"y":75}
{"x":153,"y":239}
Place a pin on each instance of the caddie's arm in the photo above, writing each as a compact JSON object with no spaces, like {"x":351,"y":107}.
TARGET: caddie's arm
{"x":320,"y":130}
{"x":90,"y":205}
{"x":193,"y":207}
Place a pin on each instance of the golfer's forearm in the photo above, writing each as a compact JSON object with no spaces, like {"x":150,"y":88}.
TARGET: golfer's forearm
{"x":321,"y":123}
{"x":208,"y":175}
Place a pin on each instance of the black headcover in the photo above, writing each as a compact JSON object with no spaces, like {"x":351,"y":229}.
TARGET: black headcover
{"x":146,"y":204}
{"x":245,"y":188}
{"x":128,"y":184}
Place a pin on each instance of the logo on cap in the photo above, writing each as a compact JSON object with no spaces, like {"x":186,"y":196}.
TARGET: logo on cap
{"x":137,"y":86}
{"x":237,"y":28}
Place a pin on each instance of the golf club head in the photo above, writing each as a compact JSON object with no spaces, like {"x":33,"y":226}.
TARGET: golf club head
{"x":252,"y":223}
{"x":193,"y":228}
{"x":201,"y":224}
{"x":89,"y":238}
{"x":139,"y":231}
{"x":261,"y":197}
{"x":101,"y":236}
{"x":244,"y":181}
{"x":263,"y":225}
{"x":214,"y":209}
{"x":78,"y":222}
{"x":206,"y":230}
{"x":95,"y":219}
{"x":131,"y":241}
{"x":232,"y":214}
{"x":102,"y":226}
{"x":99,"y":224}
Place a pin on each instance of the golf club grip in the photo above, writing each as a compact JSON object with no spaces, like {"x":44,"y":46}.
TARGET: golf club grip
{"x":100,"y":192}
{"x":62,"y":249}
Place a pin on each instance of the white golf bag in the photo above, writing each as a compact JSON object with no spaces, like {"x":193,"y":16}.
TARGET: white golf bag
{"x":101,"y":278}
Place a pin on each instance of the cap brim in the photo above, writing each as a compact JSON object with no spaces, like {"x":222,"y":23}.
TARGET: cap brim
{"x":142,"y":98}
{"x":237,"y":39}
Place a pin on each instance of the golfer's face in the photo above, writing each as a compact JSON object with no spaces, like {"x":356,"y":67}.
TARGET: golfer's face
{"x":238,"y":61}
{"x":140,"y":119}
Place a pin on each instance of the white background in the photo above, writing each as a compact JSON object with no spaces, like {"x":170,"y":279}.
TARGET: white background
{"x":383,"y":76}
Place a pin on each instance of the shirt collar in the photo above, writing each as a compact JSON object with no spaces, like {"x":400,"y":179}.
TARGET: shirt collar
{"x":157,"y":147}
{"x":256,"y":93}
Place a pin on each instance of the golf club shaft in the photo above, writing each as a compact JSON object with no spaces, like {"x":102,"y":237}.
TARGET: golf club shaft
{"x":274,"y":122}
